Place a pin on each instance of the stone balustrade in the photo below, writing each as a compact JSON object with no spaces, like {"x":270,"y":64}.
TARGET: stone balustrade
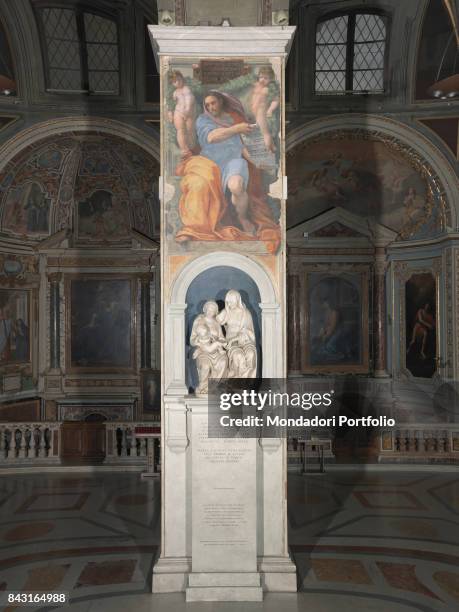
{"x":29,"y":443}
{"x":40,"y":444}
{"x":123,"y":446}
{"x":415,"y":442}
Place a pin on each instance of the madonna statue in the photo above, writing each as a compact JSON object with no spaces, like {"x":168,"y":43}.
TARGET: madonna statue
{"x":240,"y":337}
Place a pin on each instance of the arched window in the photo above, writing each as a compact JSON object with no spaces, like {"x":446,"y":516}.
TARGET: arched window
{"x":7,"y":76}
{"x":80,"y":49}
{"x":350,"y":53}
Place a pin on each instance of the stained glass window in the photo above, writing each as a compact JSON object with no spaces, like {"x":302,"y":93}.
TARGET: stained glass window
{"x":81,"y":50}
{"x":350,"y":53}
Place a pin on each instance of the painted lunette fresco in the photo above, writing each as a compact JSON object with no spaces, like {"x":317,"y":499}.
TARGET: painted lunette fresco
{"x":99,"y":185}
{"x":222,"y":151}
{"x":368,"y":174}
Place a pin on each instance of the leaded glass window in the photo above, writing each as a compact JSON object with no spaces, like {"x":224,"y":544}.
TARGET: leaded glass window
{"x":350,"y":54}
{"x":81,"y":51}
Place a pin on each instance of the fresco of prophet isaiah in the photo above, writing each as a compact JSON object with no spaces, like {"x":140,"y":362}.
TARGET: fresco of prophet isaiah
{"x":227,"y":156}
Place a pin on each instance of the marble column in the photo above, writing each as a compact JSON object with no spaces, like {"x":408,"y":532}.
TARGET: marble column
{"x":54,"y":321}
{"x":293,"y":321}
{"x":145,"y":321}
{"x":53,"y":373}
{"x":379,"y":314}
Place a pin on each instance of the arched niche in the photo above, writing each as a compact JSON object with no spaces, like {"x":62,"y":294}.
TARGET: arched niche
{"x":175,"y":340}
{"x":213,"y":284}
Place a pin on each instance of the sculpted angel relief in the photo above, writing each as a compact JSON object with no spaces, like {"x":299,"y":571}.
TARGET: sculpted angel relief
{"x":226,"y":157}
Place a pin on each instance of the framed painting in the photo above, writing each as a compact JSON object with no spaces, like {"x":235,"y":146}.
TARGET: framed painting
{"x":419,"y":342}
{"x":15,"y":325}
{"x":151,"y":391}
{"x":100,"y":323}
{"x":335,"y":326}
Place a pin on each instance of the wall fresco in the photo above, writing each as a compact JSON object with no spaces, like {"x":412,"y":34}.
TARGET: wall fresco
{"x":369,"y":175}
{"x":100,"y":185}
{"x":223,"y":148}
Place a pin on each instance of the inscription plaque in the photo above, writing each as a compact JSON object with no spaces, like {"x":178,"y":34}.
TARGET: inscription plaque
{"x":224,"y":500}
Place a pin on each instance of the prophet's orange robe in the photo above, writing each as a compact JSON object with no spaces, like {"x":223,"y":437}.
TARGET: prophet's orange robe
{"x":203,"y":205}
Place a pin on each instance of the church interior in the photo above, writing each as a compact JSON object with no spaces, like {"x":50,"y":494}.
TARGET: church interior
{"x":371,"y":225}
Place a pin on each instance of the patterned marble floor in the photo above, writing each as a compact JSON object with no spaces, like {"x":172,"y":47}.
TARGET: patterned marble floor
{"x":362,"y":541}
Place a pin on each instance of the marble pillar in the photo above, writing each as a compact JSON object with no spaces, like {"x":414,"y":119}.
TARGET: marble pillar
{"x":53,"y":373}
{"x":379,"y":315}
{"x":294,"y":314}
{"x":54,"y":321}
{"x":145,"y":321}
{"x":193,"y":61}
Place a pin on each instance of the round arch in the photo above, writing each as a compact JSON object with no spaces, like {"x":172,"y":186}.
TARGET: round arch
{"x":54,"y":127}
{"x":400,"y":132}
{"x":18,"y":18}
{"x":234,"y":260}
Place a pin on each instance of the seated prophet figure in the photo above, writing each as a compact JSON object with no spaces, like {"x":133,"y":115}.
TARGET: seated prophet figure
{"x":240,"y":337}
{"x":207,"y":336}
{"x":222,"y":197}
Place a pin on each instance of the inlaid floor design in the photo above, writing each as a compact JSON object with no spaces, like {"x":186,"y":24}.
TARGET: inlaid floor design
{"x":361,"y":541}
{"x":392,"y":537}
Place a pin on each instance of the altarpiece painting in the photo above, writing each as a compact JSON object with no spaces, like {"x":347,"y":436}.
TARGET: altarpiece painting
{"x":421,"y":324}
{"x":100,"y":323}
{"x":336,"y":322}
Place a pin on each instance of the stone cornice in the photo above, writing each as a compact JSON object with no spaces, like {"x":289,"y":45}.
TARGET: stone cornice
{"x":212,"y":41}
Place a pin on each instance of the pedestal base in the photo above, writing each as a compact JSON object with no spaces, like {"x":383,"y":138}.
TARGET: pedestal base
{"x":224,"y":586}
{"x":170,"y":575}
{"x":174,"y":575}
{"x":278,"y":574}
